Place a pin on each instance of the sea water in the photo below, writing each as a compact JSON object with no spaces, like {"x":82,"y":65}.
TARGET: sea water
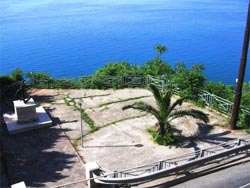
{"x":75,"y":38}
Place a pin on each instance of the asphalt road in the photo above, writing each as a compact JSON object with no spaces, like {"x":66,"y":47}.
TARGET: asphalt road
{"x":233,"y":177}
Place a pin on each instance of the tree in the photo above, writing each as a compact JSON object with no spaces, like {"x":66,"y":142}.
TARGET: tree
{"x":245,"y":99}
{"x":160,"y":49}
{"x":17,"y":74}
{"x":189,"y":81}
{"x":165,"y":112}
{"x":116,"y":69}
{"x":156,"y":66}
{"x":220,"y":89}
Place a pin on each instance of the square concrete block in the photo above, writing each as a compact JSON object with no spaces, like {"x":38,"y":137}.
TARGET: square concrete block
{"x":25,"y":112}
{"x":19,"y":185}
{"x":14,"y":127}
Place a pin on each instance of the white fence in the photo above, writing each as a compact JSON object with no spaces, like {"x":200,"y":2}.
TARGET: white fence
{"x":167,"y":167}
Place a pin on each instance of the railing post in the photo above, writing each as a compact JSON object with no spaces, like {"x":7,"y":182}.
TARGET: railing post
{"x":202,"y":152}
{"x":239,"y":142}
{"x":115,"y":174}
{"x":160,"y":165}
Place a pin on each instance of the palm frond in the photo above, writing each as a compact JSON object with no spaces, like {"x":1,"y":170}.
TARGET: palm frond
{"x":176,"y":103}
{"x":190,"y":113}
{"x":142,"y":106}
{"x":157,"y":94}
{"x":166,"y":99}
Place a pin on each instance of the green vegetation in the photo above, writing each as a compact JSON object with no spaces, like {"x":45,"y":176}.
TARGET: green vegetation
{"x":245,"y":100}
{"x":244,"y":121}
{"x":188,"y":80}
{"x":220,"y":89}
{"x":124,"y":119}
{"x":165,"y":112}
{"x":71,"y":102}
{"x":14,"y":76}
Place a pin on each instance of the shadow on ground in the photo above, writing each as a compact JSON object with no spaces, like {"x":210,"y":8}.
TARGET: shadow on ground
{"x":40,"y":158}
{"x":44,"y":98}
{"x":204,"y":136}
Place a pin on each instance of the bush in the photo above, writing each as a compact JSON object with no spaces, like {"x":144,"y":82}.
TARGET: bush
{"x":200,"y":103}
{"x":17,"y":74}
{"x":245,"y":100}
{"x":6,"y":80}
{"x":65,"y":83}
{"x":189,"y":81}
{"x":86,"y":82}
{"x":220,"y":89}
{"x":167,"y":139}
{"x":40,"y":80}
{"x":116,"y":69}
{"x":244,"y":121}
{"x":157,"y":67}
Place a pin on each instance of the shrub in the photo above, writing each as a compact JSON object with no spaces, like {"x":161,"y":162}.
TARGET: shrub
{"x":189,"y":81}
{"x":167,"y":139}
{"x":40,"y":79}
{"x":245,"y":100}
{"x":157,"y":67}
{"x":220,"y":89}
{"x":17,"y":74}
{"x":244,"y":120}
{"x":6,"y":80}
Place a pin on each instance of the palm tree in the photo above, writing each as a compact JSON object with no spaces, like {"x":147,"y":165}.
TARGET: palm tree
{"x":160,"y":49}
{"x":165,"y":112}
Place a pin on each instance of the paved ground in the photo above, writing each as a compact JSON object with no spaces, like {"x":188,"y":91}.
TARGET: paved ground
{"x":114,"y":146}
{"x":125,"y":130}
{"x":42,"y":157}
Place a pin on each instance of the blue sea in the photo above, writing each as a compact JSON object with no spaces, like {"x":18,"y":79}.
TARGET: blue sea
{"x":74,"y":38}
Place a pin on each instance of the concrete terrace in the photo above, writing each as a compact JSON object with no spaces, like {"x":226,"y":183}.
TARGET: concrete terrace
{"x":42,"y":157}
{"x":46,"y":158}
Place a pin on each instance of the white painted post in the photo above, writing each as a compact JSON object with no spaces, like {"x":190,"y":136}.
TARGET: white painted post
{"x":91,"y":168}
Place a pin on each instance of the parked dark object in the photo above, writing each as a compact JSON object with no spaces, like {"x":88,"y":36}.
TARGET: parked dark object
{"x":21,"y":93}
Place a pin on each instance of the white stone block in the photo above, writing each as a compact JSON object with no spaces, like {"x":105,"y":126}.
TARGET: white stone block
{"x":25,"y":112}
{"x":19,"y":185}
{"x":14,"y":127}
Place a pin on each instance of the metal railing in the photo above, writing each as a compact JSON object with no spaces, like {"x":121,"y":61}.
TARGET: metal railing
{"x":211,"y":100}
{"x":220,"y":104}
{"x":171,"y":166}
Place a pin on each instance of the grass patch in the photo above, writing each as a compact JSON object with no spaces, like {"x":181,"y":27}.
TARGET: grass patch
{"x":94,"y":129}
{"x":120,"y":120}
{"x":72,"y":102}
{"x":247,"y":130}
{"x":104,"y":108}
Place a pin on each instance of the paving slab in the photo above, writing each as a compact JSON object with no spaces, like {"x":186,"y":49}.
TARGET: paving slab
{"x":41,"y":158}
{"x":115,"y":146}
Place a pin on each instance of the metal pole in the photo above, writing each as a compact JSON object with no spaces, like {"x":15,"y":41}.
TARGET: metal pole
{"x":243,"y":63}
{"x":80,"y":104}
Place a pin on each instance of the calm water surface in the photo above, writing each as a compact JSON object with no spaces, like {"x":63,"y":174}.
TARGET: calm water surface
{"x":74,"y":38}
